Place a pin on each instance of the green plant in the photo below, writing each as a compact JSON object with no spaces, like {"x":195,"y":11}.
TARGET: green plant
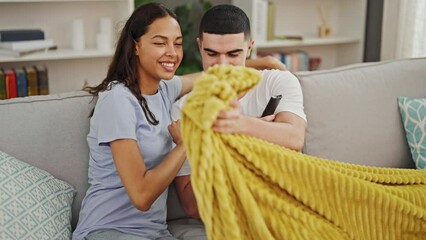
{"x":189,"y":15}
{"x":141,"y":2}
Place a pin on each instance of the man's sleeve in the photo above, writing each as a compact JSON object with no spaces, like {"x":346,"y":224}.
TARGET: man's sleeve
{"x":177,"y":108}
{"x":285,"y":83}
{"x":185,"y":169}
{"x":176,"y":115}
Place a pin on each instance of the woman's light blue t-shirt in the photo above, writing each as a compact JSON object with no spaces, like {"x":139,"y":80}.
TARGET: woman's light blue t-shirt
{"x":118,"y":115}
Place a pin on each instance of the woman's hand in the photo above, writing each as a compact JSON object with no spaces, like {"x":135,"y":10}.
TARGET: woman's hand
{"x":174,"y":130}
{"x":266,"y":62}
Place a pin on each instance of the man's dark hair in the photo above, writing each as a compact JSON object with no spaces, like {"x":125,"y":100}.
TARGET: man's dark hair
{"x":224,"y":19}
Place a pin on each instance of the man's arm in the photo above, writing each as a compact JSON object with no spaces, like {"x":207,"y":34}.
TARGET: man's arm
{"x":183,"y":183}
{"x":186,"y":196}
{"x":287,"y":129}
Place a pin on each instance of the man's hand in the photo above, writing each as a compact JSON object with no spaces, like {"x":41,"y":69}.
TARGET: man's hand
{"x":233,"y":121}
{"x":269,"y":118}
{"x":229,"y":121}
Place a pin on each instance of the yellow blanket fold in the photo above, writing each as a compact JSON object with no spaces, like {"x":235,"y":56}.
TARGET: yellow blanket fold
{"x":247,"y":188}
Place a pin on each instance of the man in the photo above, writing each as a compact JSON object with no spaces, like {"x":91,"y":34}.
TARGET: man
{"x":224,"y":38}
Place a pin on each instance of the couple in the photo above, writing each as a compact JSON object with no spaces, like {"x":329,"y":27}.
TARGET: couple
{"x":132,"y":158}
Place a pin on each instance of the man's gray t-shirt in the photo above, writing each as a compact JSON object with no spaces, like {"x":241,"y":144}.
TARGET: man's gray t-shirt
{"x":118,"y":115}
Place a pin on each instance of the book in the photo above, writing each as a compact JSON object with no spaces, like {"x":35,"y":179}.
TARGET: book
{"x":10,"y":79}
{"x":21,"y":35}
{"x":21,"y":82}
{"x":27,"y":45}
{"x":19,"y":53}
{"x":270,"y":32}
{"x":261,"y":21}
{"x":304,"y":61}
{"x":32,"y":81}
{"x":43,"y":82}
{"x":289,"y":37}
{"x":2,"y":86}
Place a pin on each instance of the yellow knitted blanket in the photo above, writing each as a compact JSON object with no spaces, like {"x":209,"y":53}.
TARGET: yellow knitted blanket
{"x":247,"y":188}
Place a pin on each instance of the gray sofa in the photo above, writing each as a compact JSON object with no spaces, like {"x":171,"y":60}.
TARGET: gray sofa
{"x":352,"y":116}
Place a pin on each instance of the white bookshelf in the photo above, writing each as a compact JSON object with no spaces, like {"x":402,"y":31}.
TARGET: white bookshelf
{"x":305,"y":42}
{"x":68,"y":69}
{"x":60,"y":54}
{"x":346,"y":19}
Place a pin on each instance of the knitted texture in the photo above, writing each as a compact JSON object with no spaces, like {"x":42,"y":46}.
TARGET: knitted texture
{"x":247,"y":188}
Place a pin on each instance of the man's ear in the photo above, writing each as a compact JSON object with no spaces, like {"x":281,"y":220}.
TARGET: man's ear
{"x":250,"y":47}
{"x":199,"y":43}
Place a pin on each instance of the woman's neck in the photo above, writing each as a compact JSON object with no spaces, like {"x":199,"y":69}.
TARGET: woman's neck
{"x":148,"y":86}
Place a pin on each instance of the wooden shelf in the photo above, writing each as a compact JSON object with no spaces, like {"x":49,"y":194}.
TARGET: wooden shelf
{"x":305,"y":42}
{"x":61,"y":54}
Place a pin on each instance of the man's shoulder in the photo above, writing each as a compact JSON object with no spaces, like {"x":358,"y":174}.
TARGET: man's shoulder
{"x":274,"y":78}
{"x":177,"y":107}
{"x":275,"y":73}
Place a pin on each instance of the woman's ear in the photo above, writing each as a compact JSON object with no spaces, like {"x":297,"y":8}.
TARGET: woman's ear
{"x":136,"y":48}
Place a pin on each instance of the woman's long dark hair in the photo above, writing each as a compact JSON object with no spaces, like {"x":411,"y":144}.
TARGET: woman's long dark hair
{"x":124,"y":65}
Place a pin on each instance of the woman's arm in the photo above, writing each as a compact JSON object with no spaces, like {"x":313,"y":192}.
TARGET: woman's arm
{"x":143,"y":185}
{"x":267,"y":62}
{"x":188,"y":82}
{"x":261,"y":63}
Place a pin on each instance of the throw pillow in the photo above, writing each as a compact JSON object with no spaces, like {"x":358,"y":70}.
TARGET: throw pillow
{"x":33,"y":204}
{"x":413,"y":114}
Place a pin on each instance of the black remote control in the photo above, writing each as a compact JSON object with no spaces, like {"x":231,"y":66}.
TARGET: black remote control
{"x":272,"y":105}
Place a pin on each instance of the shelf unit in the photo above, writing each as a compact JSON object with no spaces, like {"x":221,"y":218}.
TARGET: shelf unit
{"x":305,"y":42}
{"x":345,"y":17}
{"x":68,"y":69}
{"x":61,"y":54}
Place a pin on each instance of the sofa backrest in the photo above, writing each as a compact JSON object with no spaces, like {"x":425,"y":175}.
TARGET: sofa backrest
{"x":49,"y":132}
{"x":352,"y":117}
{"x":353,"y":113}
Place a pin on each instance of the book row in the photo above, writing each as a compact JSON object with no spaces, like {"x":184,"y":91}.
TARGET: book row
{"x":16,"y":43}
{"x":11,"y":35}
{"x":295,"y":60}
{"x":22,"y":82}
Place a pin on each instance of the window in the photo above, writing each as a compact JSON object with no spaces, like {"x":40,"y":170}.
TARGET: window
{"x":411,"y":40}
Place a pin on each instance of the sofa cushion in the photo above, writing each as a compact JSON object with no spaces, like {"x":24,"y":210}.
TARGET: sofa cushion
{"x":49,"y":132}
{"x":188,"y":229}
{"x":33,"y":204}
{"x":353,"y":114}
{"x":413,"y":114}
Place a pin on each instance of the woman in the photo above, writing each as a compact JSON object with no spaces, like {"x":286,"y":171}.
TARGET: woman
{"x":131,"y":157}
